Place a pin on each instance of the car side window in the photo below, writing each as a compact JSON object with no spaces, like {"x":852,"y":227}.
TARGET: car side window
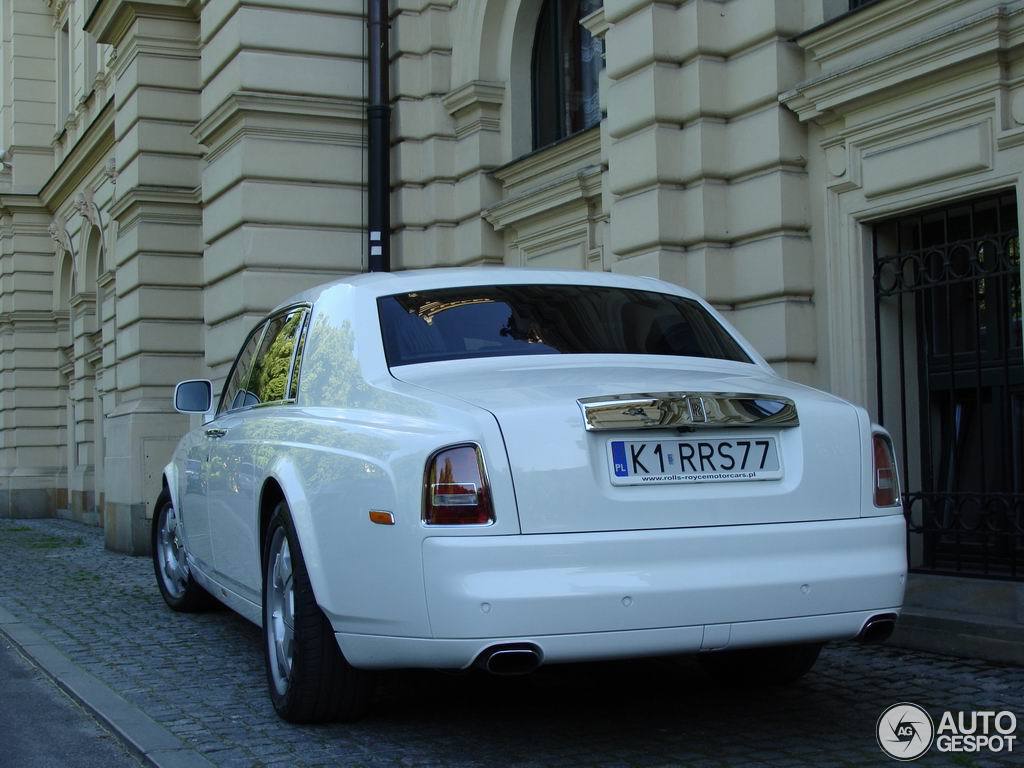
{"x":234,"y":395}
{"x":269,"y":381}
{"x":293,"y":385}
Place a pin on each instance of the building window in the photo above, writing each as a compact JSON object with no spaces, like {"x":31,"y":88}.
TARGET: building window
{"x":567,"y":63}
{"x":855,"y":4}
{"x":63,"y":75}
{"x":91,"y":61}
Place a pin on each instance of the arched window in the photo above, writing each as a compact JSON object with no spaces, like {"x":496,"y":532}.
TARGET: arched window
{"x":567,"y":63}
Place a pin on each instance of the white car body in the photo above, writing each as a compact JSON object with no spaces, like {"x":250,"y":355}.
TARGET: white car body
{"x":572,"y":565}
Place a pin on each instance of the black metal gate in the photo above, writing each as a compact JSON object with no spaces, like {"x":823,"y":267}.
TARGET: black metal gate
{"x":950,"y":371}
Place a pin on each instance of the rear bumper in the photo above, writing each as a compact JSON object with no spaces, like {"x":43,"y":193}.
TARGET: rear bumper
{"x":634,"y":593}
{"x":383,"y":652}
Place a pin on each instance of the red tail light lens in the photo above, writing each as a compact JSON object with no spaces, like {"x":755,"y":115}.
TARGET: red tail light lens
{"x":455,"y":488}
{"x":886,"y":481}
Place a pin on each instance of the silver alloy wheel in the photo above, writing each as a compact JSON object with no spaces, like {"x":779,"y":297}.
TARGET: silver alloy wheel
{"x":280,"y":629}
{"x":171,"y":553}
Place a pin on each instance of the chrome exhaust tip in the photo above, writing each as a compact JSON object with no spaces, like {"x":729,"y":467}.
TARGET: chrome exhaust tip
{"x":513,"y":659}
{"x":877,"y":629}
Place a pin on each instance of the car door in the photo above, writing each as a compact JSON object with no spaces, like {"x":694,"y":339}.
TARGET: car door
{"x":250,"y":427}
{"x":192,"y":511}
{"x":216,"y":483}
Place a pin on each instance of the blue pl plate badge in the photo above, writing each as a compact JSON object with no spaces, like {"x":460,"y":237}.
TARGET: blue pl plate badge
{"x":619,"y":458}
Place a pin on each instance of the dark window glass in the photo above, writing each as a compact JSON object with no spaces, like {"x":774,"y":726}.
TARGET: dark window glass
{"x":567,"y":63}
{"x":269,"y":379}
{"x":233,"y":396}
{"x":493,"y":321}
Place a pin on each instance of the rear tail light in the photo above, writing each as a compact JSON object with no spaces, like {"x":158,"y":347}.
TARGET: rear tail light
{"x":886,"y":479}
{"x":455,"y":488}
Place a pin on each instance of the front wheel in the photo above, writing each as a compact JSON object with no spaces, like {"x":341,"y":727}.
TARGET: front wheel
{"x":173,"y":576}
{"x":778,"y":665}
{"x":309,"y":679}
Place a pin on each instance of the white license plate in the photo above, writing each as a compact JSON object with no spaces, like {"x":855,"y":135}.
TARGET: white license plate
{"x":694,"y":460}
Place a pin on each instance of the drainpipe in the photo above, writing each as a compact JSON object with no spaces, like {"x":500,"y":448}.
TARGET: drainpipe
{"x":378,"y":118}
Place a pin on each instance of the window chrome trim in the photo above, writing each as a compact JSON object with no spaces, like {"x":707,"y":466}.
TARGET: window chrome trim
{"x":258,"y":330}
{"x":686,"y":410}
{"x":292,"y":390}
{"x":265,"y":323}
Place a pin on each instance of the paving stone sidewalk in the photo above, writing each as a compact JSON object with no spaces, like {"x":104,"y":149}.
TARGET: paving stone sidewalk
{"x":202,"y":677}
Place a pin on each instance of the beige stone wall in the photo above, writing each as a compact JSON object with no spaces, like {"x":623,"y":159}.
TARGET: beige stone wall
{"x":32,"y":465}
{"x":189,"y":164}
{"x":281,"y":129}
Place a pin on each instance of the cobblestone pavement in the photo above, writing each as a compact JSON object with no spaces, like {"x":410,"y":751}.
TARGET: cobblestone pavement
{"x":202,"y":677}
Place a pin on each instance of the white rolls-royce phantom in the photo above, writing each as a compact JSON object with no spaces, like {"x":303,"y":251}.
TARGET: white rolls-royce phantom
{"x":508,"y":468}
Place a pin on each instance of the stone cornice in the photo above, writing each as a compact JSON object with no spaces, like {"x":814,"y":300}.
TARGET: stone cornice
{"x":110,"y":19}
{"x":89,"y":150}
{"x":171,"y":203}
{"x":596,"y":23}
{"x":984,"y":34}
{"x":475,"y":106}
{"x":11,"y":202}
{"x":582,"y":149}
{"x":94,"y":356}
{"x":33,"y":320}
{"x":105,"y":279}
{"x":215,"y":128}
{"x":581,"y":185}
{"x":67,"y":368}
{"x":86,"y":299}
{"x":855,"y":31}
{"x":474,"y":93}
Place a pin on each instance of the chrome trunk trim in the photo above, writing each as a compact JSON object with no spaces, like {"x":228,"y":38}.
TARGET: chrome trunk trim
{"x":687,"y":410}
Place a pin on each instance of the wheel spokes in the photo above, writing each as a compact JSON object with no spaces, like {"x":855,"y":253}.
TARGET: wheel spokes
{"x":281,"y":605}
{"x":171,"y":553}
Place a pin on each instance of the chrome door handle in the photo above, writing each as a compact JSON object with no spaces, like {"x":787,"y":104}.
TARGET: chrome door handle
{"x":216,"y":432}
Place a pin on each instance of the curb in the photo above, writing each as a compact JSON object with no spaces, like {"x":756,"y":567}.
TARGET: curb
{"x":142,"y":735}
{"x":959,"y":635}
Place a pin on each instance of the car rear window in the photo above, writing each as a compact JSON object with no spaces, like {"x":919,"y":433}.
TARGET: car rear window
{"x":501,"y":320}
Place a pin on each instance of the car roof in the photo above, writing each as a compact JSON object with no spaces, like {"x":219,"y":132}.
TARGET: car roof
{"x":387,"y":283}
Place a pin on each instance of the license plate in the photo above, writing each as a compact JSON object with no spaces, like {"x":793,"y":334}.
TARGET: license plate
{"x":694,"y":460}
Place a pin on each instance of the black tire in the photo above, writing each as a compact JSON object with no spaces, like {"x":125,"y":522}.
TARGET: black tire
{"x":778,"y":665}
{"x":320,"y":685}
{"x":179,"y":589}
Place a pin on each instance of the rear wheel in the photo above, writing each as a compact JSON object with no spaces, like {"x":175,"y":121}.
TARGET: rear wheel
{"x":309,"y":679}
{"x":179,"y":589}
{"x":777,"y":665}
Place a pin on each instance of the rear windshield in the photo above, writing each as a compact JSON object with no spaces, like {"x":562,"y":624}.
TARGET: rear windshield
{"x":500,"y":320}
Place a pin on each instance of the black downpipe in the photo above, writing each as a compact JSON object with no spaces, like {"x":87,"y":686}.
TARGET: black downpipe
{"x":378,"y":118}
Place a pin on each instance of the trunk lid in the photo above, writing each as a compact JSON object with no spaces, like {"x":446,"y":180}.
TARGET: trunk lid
{"x":563,"y":474}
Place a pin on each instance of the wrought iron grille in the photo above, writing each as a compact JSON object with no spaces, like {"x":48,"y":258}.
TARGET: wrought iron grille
{"x":950,"y":372}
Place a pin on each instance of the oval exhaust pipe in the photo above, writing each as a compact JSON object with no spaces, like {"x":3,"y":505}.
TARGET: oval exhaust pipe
{"x":512,"y":659}
{"x":877,"y":629}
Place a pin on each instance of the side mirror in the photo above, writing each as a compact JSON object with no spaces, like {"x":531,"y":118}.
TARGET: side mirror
{"x":193,"y":396}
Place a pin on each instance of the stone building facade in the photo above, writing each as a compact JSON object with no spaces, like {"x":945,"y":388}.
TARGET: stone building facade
{"x":173,"y":168}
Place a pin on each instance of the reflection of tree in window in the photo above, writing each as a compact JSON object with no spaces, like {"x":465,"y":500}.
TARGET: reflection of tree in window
{"x":270,"y":373}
